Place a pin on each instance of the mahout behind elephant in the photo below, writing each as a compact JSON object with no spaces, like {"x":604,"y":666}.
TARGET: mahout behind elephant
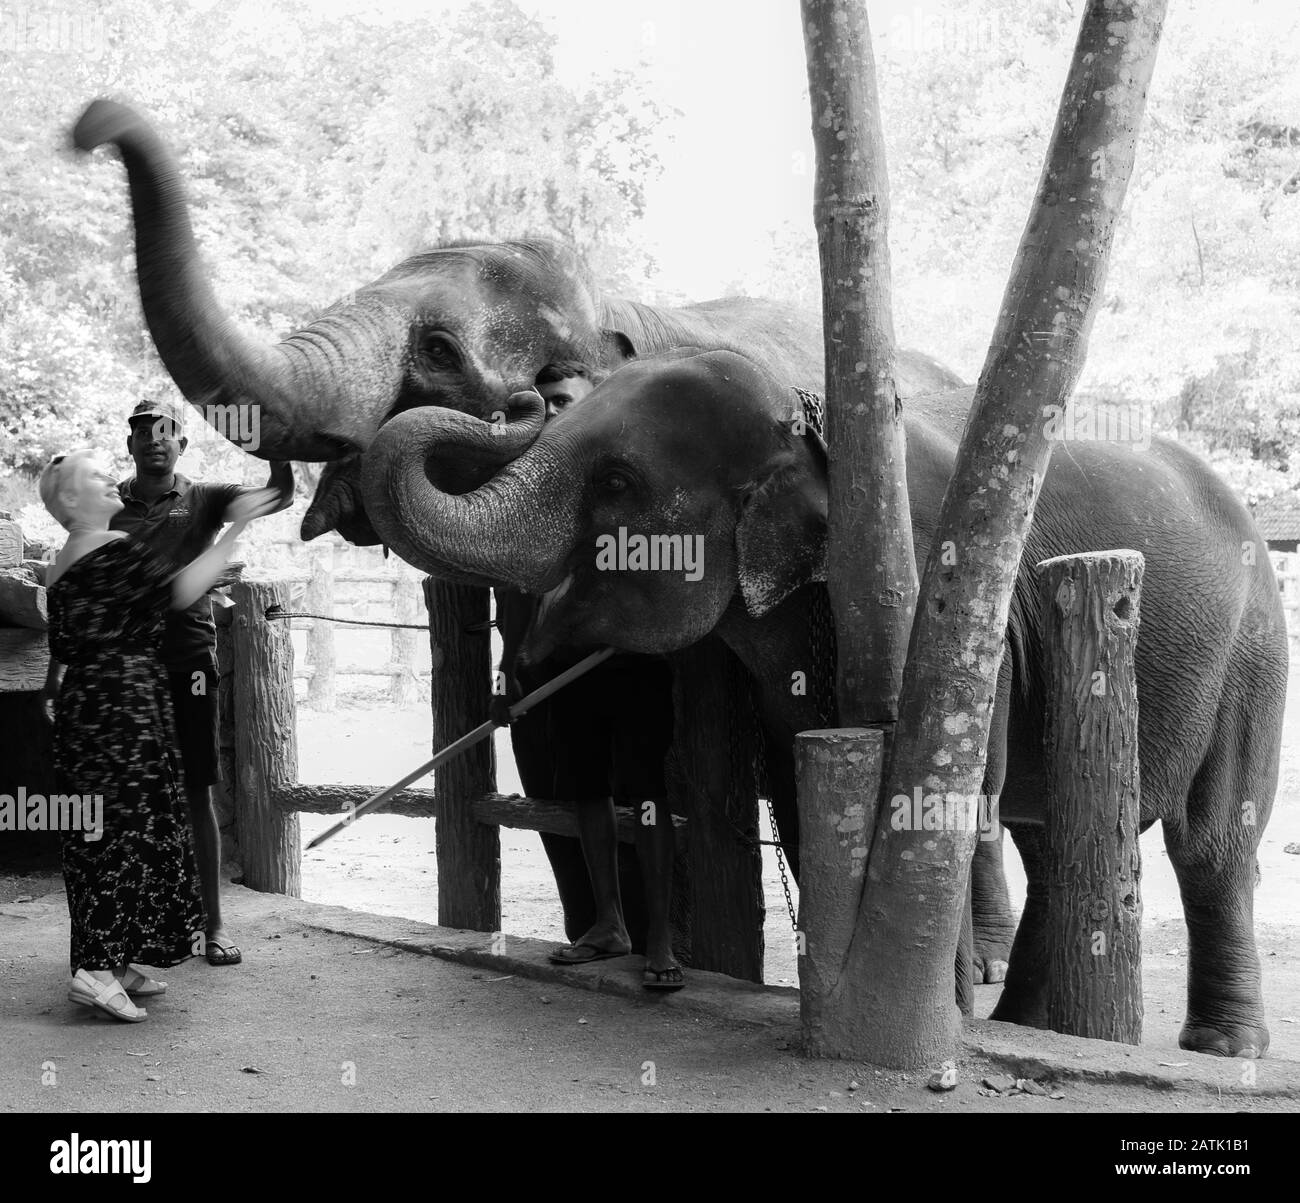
{"x":711,"y":447}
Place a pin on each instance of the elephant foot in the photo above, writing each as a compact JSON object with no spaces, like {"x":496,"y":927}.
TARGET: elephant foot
{"x":993,"y":940}
{"x":1225,"y":1040}
{"x":1028,"y":1012}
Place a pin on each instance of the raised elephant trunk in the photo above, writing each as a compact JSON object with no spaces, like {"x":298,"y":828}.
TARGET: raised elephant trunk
{"x":312,"y":395}
{"x":517,"y":529}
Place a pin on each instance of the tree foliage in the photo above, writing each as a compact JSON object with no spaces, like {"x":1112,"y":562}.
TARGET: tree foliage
{"x":317,"y":152}
{"x":1201,"y":312}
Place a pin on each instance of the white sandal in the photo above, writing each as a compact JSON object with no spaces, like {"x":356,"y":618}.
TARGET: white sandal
{"x":141,"y":984}
{"x":111,"y":998}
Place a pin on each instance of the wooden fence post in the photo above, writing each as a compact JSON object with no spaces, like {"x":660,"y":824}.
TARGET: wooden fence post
{"x":711,"y":781}
{"x":266,"y":739}
{"x":1094,"y":908}
{"x":406,"y":607}
{"x":319,"y":599}
{"x":469,"y":852}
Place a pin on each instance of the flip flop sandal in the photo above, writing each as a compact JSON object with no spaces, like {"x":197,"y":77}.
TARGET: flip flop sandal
{"x":140,"y":984}
{"x":112,"y":1000}
{"x":597,"y":954}
{"x":223,"y":954}
{"x":653,"y":979}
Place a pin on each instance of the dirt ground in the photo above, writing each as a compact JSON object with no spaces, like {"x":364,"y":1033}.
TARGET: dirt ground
{"x":320,"y":1021}
{"x":315,"y":1021}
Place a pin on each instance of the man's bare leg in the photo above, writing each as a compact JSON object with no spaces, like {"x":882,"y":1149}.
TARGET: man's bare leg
{"x":654,"y":847}
{"x":608,"y":935}
{"x":207,"y":855}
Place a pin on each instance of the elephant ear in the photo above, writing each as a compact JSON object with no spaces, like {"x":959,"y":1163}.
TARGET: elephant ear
{"x":616,"y":348}
{"x":781,"y":535}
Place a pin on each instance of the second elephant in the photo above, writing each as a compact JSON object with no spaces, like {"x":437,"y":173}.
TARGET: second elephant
{"x":699,"y":448}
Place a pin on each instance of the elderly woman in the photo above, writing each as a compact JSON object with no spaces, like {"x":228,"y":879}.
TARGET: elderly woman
{"x":133,"y":893}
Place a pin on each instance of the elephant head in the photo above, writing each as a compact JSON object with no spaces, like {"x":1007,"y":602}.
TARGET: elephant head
{"x":463,"y":326}
{"x":636,"y":516}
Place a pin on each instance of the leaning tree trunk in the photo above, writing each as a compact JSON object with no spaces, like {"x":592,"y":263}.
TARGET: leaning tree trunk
{"x":894,"y":1004}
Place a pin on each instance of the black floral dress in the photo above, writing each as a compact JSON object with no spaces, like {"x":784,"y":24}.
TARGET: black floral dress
{"x":133,"y":894}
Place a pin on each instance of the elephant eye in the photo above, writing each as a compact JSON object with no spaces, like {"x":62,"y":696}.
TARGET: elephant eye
{"x":613,"y":482}
{"x":440,"y":351}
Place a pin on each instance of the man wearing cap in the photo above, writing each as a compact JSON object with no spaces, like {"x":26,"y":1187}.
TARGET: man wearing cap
{"x":180,"y":518}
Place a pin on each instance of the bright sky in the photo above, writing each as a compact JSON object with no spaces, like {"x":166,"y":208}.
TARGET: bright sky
{"x":738,"y":161}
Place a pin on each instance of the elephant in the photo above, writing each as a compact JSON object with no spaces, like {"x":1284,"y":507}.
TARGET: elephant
{"x":463,"y":326}
{"x":699,"y":446}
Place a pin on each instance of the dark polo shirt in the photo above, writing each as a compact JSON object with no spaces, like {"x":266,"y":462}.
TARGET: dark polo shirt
{"x":180,"y":525}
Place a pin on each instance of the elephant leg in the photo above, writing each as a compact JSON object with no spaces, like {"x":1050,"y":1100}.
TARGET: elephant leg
{"x":963,"y":967}
{"x":1214,"y":857}
{"x":994,"y":922}
{"x":1024,"y":996}
{"x":1225,"y":1006}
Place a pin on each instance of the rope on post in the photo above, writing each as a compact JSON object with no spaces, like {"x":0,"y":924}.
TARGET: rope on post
{"x":278,"y":613}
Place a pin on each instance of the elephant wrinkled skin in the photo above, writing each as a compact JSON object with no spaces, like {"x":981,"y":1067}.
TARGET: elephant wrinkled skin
{"x":699,"y":445}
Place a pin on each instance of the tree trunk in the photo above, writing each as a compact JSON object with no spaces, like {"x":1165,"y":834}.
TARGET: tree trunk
{"x":897,"y":989}
{"x":1090,"y":621}
{"x":839,"y":784}
{"x":872,"y":596}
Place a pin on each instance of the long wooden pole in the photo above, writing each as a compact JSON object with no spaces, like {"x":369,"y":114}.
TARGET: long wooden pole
{"x":465,"y":742}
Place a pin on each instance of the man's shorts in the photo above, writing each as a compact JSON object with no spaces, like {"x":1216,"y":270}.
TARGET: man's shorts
{"x":194,"y":701}
{"x":604,"y":735}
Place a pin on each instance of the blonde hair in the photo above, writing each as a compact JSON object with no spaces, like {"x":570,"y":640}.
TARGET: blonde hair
{"x":55,"y":477}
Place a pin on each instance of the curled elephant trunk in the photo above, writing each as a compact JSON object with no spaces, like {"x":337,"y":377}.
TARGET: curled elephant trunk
{"x":514,"y":530}
{"x":312,"y":396}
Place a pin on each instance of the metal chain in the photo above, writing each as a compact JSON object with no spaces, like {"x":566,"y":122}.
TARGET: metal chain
{"x":822,"y":639}
{"x":763,"y":781}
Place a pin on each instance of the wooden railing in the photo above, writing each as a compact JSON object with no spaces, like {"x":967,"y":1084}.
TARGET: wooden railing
{"x":321,"y":574}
